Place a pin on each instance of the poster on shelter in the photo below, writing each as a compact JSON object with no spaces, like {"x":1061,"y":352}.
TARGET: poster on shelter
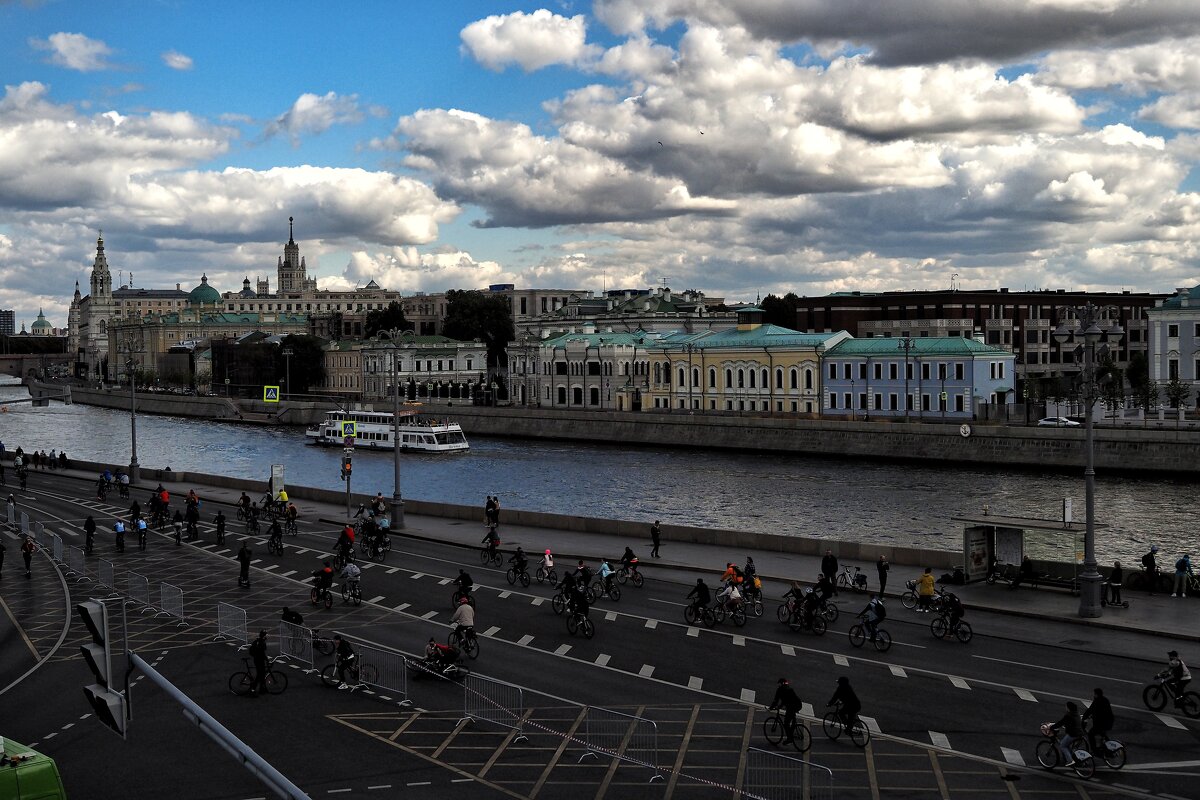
{"x":1009,"y":545}
{"x":975,"y":552}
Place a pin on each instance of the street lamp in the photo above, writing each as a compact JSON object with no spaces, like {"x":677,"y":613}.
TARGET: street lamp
{"x":287,"y":360}
{"x":942,"y":395}
{"x":393,"y":335}
{"x":1084,"y":322}
{"x":130,"y":363}
{"x":906,"y":344}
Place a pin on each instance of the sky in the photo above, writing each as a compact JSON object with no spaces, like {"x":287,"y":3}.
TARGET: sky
{"x":738,"y":147}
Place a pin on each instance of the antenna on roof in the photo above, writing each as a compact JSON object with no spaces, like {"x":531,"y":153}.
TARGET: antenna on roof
{"x":665,"y":280}
{"x":954,"y":282}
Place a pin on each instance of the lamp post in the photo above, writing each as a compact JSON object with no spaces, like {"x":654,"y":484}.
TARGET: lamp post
{"x":393,"y":335}
{"x":942,"y":395}
{"x":287,"y":360}
{"x":1084,"y":322}
{"x":133,"y":343}
{"x":905,"y":344}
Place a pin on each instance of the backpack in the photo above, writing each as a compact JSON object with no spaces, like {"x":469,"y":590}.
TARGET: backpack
{"x":1181,"y":565}
{"x":1148,"y":560}
{"x":881,"y":611}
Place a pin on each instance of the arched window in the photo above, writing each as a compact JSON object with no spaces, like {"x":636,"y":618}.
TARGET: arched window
{"x":752,"y":379}
{"x":779,"y":378}
{"x":792,"y":375}
{"x":712,"y":377}
{"x":766,"y":381}
{"x":657,"y":373}
{"x":808,"y":379}
{"x":728,"y":378}
{"x":682,"y":378}
{"x":741,"y":378}
{"x":696,"y":377}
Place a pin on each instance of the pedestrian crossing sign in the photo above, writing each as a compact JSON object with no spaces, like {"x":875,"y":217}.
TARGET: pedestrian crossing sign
{"x":270,"y":394}
{"x":348,"y":429}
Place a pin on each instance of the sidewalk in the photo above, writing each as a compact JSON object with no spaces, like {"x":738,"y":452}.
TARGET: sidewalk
{"x":1159,"y":614}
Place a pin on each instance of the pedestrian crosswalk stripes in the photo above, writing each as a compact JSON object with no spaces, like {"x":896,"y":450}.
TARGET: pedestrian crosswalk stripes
{"x":897,"y":671}
{"x":1025,"y":695}
{"x":959,"y":682}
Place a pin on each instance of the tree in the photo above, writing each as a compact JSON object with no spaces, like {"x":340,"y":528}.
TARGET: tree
{"x":1145,"y":396}
{"x":307,"y":362}
{"x":1138,"y":371}
{"x":1177,"y":392}
{"x":780,"y":311}
{"x":472,"y":314}
{"x":383,"y":319}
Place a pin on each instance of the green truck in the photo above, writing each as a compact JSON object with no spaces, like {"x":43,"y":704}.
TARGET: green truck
{"x":26,"y":774}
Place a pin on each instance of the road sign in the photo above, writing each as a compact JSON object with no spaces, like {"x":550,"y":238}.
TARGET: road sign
{"x":270,"y":394}
{"x":349,"y":430}
{"x":348,"y":442}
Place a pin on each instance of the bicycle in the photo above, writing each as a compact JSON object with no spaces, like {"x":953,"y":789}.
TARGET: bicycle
{"x":578,"y":622}
{"x":1155,"y":697}
{"x":752,"y":597}
{"x":940,"y":628}
{"x":379,"y":547}
{"x":356,"y":674}
{"x":242,"y":682}
{"x":1048,"y":754}
{"x":457,"y":597}
{"x":544,"y":574}
{"x":834,"y":726}
{"x":319,"y":645}
{"x":490,"y":556}
{"x":343,"y":557}
{"x":289,"y":527}
{"x":882,"y":639}
{"x":514,"y":576}
{"x":252,"y":526}
{"x":352,"y":593}
{"x":275,"y":545}
{"x":817,"y":625}
{"x":722,"y":609}
{"x":1111,"y":750}
{"x":856,"y":581}
{"x":611,"y":591}
{"x":464,"y":642}
{"x":630,"y":573}
{"x":694,"y":613}
{"x":775,"y":731}
{"x":319,"y":595}
{"x":141,"y":538}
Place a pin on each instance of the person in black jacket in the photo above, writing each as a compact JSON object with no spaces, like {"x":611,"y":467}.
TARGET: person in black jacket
{"x":1072,"y":731}
{"x":89,"y":534}
{"x":787,"y":699}
{"x":1101,"y":714}
{"x":701,"y":593}
{"x":1113,"y":584}
{"x":846,"y":701}
{"x":258,"y":652}
{"x":829,"y":568}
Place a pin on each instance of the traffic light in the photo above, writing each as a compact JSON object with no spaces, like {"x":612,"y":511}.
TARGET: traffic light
{"x":346,"y":467}
{"x":107,"y":703}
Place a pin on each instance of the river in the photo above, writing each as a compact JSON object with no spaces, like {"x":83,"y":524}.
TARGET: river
{"x":850,"y":499}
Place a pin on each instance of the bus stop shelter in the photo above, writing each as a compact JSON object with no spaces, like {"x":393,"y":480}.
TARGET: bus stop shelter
{"x":1007,"y":540}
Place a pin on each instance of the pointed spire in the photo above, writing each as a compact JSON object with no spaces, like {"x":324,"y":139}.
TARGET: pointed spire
{"x":290,"y":240}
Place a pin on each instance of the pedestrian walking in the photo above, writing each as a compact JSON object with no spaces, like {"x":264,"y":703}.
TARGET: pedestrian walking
{"x":53,"y":461}
{"x":1183,"y":568}
{"x":62,"y":460}
{"x":882,"y":566}
{"x":3,"y":479}
{"x":655,"y":537}
{"x":243,"y":558}
{"x":27,"y":554}
{"x":829,"y":568}
{"x":1115,"y":579}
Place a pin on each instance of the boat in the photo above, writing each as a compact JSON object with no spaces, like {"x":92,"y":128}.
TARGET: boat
{"x":374,"y":430}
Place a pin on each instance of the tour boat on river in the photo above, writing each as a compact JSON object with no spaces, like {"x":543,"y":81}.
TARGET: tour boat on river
{"x":373,"y":430}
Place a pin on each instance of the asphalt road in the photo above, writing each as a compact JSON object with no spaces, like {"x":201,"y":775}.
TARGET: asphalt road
{"x":949,"y":718}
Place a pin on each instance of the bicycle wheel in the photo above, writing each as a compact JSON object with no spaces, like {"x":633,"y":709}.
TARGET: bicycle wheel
{"x":755,"y":608}
{"x":883,"y":641}
{"x":818,"y":626}
{"x":552,"y":576}
{"x":773,"y":729}
{"x":784,"y":613}
{"x":857,"y":636}
{"x":511,"y":575}
{"x":738,"y":615}
{"x":718,"y":613}
{"x":1084,"y":767}
{"x":484,"y":556}
{"x":832,"y":725}
{"x":964,"y":632}
{"x":859,"y":733}
{"x":241,"y":683}
{"x":1114,"y":755}
{"x":830,"y":612}
{"x":842,"y":581}
{"x":369,"y":673}
{"x":1155,"y":697}
{"x":559,"y":604}
{"x":638,"y":580}
{"x":525,"y":579}
{"x":540,"y":575}
{"x":572,"y":623}
{"x":356,"y":596}
{"x":470,"y":646}
{"x":277,"y":682}
{"x":939,"y":627}
{"x":615,"y":592}
{"x":708,"y":617}
{"x":622,"y":575}
{"x":801,"y":738}
{"x":328,"y":598}
{"x":496,"y":559}
{"x":329,"y":675}
{"x":1047,"y":754}
{"x":587,"y":628}
{"x":314,"y":596}
{"x":1189,"y":704}
{"x":909,"y":600}
{"x":345,"y":593}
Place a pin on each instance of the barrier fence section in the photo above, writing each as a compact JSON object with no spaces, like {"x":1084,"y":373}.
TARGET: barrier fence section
{"x":12,"y":514}
{"x":104,"y":574}
{"x":497,"y":702}
{"x":170,"y":602}
{"x":296,"y":643}
{"x":384,"y":670}
{"x":139,"y":590}
{"x":24,"y":523}
{"x":39,"y":534}
{"x":621,"y":736}
{"x":56,"y":547}
{"x":775,"y":776}
{"x":75,"y":563}
{"x":231,"y":624}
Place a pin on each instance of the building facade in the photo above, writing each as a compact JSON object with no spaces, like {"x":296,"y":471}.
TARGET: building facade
{"x":1175,"y":341}
{"x":8,"y":320}
{"x":590,"y":370}
{"x":423,"y":365}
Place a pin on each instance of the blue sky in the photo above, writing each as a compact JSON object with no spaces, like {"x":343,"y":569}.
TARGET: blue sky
{"x":740,"y":148}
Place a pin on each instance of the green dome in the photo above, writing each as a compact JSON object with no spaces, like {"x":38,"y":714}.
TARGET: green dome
{"x":204,"y":295}
{"x":41,"y":323}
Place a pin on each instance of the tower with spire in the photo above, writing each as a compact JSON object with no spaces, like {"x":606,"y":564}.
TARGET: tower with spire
{"x":73,"y":323}
{"x":291,"y":270}
{"x":95,"y":315}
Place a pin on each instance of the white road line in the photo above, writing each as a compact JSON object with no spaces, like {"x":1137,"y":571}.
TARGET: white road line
{"x":461,"y":780}
{"x":739,"y":641}
{"x":748,"y":695}
{"x":871,"y":724}
{"x":401,"y":607}
{"x":1025,"y":695}
{"x":1162,"y":765}
{"x":646,"y":671}
{"x":375,"y":599}
{"x":651,"y":624}
{"x":695,"y":683}
{"x":420,"y":783}
{"x":959,"y":682}
{"x":787,"y":649}
{"x":68,"y":725}
{"x":416,"y":576}
{"x":492,"y":631}
{"x":429,"y":615}
{"x":693,"y":631}
{"x":505,"y":594}
{"x":898,"y":671}
{"x":1013,"y":757}
{"x":303,"y":550}
{"x":255,"y":561}
{"x":208,"y":545}
{"x":1056,"y":669}
{"x":610,"y":616}
{"x":603,"y":659}
{"x":393,"y":570}
{"x":270,"y":567}
{"x":381,"y":786}
{"x":443,"y":581}
{"x":841,"y":661}
{"x":537,"y":601}
{"x":524,"y":640}
{"x":1171,"y":722}
{"x":336,"y":791}
{"x":287,"y":574}
{"x":562,"y":650}
{"x":223,"y":552}
{"x":940,"y":740}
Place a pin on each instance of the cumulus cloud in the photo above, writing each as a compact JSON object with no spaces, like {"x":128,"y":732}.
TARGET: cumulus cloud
{"x":314,"y":114}
{"x":530,"y":41}
{"x":74,"y":51}
{"x":1165,"y":66}
{"x":1175,"y":111}
{"x":177,"y":60}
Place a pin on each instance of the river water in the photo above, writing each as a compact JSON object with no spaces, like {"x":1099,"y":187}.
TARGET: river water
{"x":846,"y":499}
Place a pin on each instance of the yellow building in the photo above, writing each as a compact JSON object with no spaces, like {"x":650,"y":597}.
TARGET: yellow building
{"x":754,"y":367}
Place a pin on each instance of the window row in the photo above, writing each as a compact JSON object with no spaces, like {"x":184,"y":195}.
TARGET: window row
{"x":739,"y":377}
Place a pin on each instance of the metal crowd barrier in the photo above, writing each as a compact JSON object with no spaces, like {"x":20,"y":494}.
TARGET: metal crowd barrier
{"x":39,"y":534}
{"x":76,"y":564}
{"x":384,"y":670}
{"x":104,"y":574}
{"x":621,"y":736}
{"x":295,"y":643}
{"x":139,"y":590}
{"x":56,"y":547}
{"x":24,"y":523}
{"x":231,"y":624}
{"x":497,"y":702}
{"x":12,"y":514}
{"x":775,"y":776}
{"x":170,"y":602}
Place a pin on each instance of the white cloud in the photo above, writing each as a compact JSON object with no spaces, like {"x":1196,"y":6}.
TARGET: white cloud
{"x":1163,"y":66}
{"x":177,"y":60}
{"x":75,"y":51}
{"x":531,"y":41}
{"x":315,"y":114}
{"x":1175,"y":111}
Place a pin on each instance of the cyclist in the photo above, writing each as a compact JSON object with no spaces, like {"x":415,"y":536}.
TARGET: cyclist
{"x":465,"y":584}
{"x":292,"y":617}
{"x":351,"y":574}
{"x":463,"y":617}
{"x":751,"y":573}
{"x":577,"y":599}
{"x":101,"y":490}
{"x":119,"y":529}
{"x":192,"y":515}
{"x":122,"y":483}
{"x":291,"y":514}
{"x":547,"y":562}
{"x":281,"y":499}
{"x":809,"y":605}
{"x":141,"y":531}
{"x":629,"y":561}
{"x":378,"y":505}
{"x":872,"y":615}
{"x":251,"y":515}
{"x":732,"y":574}
{"x":441,"y":656}
{"x":1072,"y":731}
{"x":177,"y":524}
{"x":244,"y":503}
{"x":344,"y":656}
{"x":567,"y":586}
{"x":954,"y":609}
{"x":1177,"y":674}
{"x":275,"y":534}
{"x":258,"y":652}
{"x":192,"y":499}
{"x":322,"y":579}
{"x":702,"y":595}
{"x":787,"y":699}
{"x":135,"y":510}
{"x":492,"y":540}
{"x":823,"y":588}
{"x":1101,"y":714}
{"x":606,"y":575}
{"x":583,"y":575}
{"x":89,"y":533}
{"x":519,"y":560}
{"x":847,"y":702}
{"x":345,"y":543}
{"x":219,"y":519}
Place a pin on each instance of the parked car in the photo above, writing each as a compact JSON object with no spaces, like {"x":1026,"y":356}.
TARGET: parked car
{"x":1057,"y":422}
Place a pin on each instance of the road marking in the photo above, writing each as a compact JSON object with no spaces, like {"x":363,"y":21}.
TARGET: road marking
{"x":420,"y":783}
{"x":841,"y":661}
{"x":693,"y":631}
{"x":787,"y":649}
{"x":562,"y":650}
{"x":461,"y":780}
{"x":223,"y":552}
{"x":207,"y":545}
{"x":336,"y":791}
{"x":393,"y":570}
{"x":429,"y":615}
{"x":505,"y":594}
{"x":381,"y":786}
{"x":416,"y":576}
{"x":1013,"y":757}
{"x":651,"y":624}
{"x":288,"y":573}
{"x":375,"y":599}
{"x":695,"y":683}
{"x":492,"y":631}
{"x":537,"y":601}
{"x":401,"y":607}
{"x":603,"y":659}
{"x":739,"y":641}
{"x":255,"y":561}
{"x":303,"y":550}
{"x":747,"y":695}
{"x":68,"y":725}
{"x":1171,"y":722}
{"x":443,"y":581}
{"x":940,"y":740}
{"x":610,"y":616}
{"x":646,"y":671}
{"x":270,"y":567}
{"x":526,"y":639}
{"x":1056,"y":669}
{"x":959,"y":682}
{"x":1163,"y":765}
{"x":871,"y":724}
{"x":1025,"y":695}
{"x":898,"y":671}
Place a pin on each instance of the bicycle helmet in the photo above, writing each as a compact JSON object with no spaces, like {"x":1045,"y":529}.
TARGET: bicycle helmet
{"x":547,"y":551}
{"x":842,"y":681}
{"x":1047,"y":729}
{"x":783,"y":681}
{"x":462,"y":601}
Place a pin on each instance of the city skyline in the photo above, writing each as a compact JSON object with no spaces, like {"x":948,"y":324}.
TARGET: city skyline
{"x":736,"y":148}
